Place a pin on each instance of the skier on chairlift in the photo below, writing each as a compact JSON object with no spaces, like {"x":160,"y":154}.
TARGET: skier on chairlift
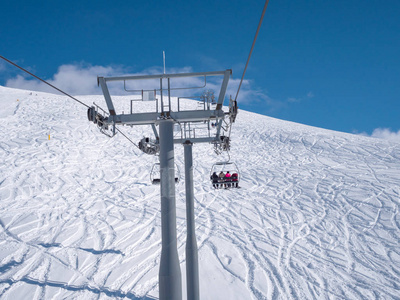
{"x":214,"y":178}
{"x":227,"y":179}
{"x":234,"y":179}
{"x":221,"y":179}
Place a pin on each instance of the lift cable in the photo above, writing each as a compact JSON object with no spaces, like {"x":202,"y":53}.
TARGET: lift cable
{"x":44,"y":81}
{"x":252,"y":46}
{"x":248,"y":59}
{"x":127,"y":137}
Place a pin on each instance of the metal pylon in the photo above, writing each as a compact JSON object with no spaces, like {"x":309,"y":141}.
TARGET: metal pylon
{"x":170,"y":273}
{"x":192,"y":264}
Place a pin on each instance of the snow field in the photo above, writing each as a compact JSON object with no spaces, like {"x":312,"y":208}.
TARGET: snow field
{"x":316,"y":217}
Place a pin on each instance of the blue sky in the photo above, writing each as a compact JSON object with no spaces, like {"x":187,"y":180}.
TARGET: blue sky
{"x":330,"y":64}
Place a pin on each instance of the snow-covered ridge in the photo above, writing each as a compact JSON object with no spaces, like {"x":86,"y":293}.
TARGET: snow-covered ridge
{"x":317,"y":216}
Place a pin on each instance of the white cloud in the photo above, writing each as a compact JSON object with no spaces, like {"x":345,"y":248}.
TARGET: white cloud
{"x":248,"y":93}
{"x":300,"y":99}
{"x":293,"y":99}
{"x":387,"y":134}
{"x":73,"y":79}
{"x":81,"y":79}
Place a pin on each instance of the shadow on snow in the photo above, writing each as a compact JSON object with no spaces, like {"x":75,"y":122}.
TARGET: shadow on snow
{"x":73,"y":288}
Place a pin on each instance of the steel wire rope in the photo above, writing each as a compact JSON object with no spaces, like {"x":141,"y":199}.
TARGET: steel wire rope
{"x":42,"y":80}
{"x":126,"y":137}
{"x":247,"y":63}
{"x":248,"y":58}
{"x":61,"y":91}
{"x":252,"y":46}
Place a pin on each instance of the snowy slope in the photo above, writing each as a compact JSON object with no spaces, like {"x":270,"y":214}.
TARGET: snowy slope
{"x":317,"y":216}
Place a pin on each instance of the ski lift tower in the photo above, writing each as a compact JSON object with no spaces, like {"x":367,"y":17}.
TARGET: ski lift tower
{"x":164,"y":117}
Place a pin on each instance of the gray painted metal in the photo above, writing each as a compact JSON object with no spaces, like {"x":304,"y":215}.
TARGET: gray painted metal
{"x":192,"y":264}
{"x":196,"y":115}
{"x":102,"y":81}
{"x":153,"y":126}
{"x":140,"y":77}
{"x":172,"y":89}
{"x":169,"y":94}
{"x":162,"y":98}
{"x":219,"y":128}
{"x":153,"y":117}
{"x":163,"y":53}
{"x":106,"y":94}
{"x":196,"y":140}
{"x":170,"y":286}
{"x":223,"y":89}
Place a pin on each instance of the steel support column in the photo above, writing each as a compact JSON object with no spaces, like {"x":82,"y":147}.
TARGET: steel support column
{"x":192,"y":265}
{"x":170,"y":286}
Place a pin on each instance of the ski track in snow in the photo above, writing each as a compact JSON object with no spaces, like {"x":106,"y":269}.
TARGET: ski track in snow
{"x":316,"y":217}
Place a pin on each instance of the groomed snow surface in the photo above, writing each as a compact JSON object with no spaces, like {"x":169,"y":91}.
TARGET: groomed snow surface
{"x":316,"y":217}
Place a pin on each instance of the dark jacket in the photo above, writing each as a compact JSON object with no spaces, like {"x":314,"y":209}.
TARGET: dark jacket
{"x":214,"y":177}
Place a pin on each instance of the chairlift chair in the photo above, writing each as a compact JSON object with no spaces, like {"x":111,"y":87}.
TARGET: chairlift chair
{"x":155,"y":176}
{"x":226,"y":182}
